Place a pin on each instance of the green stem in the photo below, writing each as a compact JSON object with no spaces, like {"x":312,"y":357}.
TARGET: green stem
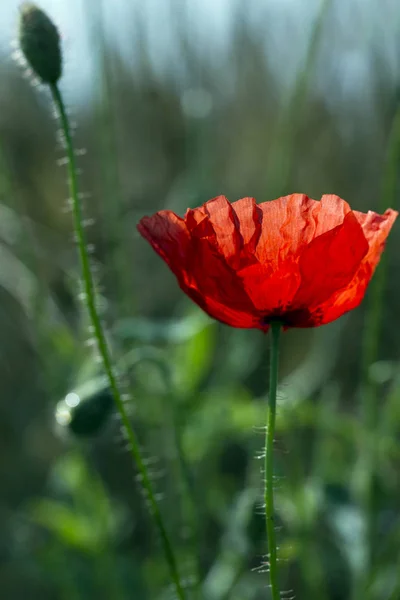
{"x":90,"y":299}
{"x":269,"y":464}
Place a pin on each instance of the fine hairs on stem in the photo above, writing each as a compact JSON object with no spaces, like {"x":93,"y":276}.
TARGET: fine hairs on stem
{"x":90,"y":300}
{"x":40,"y":45}
{"x":269,"y":463}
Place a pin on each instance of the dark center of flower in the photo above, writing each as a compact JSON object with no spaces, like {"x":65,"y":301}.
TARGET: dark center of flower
{"x":299,"y":317}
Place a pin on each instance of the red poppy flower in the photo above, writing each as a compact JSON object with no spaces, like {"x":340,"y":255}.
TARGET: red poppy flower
{"x":300,"y":261}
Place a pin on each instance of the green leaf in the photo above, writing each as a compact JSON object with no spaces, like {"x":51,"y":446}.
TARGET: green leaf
{"x":71,"y":528}
{"x":193,"y":359}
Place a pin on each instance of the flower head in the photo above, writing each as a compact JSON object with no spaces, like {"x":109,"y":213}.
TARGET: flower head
{"x":300,"y":261}
{"x":40,"y":43}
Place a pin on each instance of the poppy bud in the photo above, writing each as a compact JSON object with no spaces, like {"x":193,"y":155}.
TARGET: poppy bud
{"x":40,"y":43}
{"x":85,"y":415}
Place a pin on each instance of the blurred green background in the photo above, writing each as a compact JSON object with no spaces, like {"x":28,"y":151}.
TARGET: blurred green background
{"x":176,"y":102}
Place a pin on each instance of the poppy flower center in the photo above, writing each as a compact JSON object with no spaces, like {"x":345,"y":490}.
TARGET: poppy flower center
{"x":292,"y":317}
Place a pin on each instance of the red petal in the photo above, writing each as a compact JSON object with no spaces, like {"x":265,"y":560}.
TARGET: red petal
{"x":329,"y":263}
{"x":226,"y":226}
{"x":249,"y":217}
{"x":214,"y":278}
{"x":194,"y":216}
{"x":270,"y":291}
{"x":333,"y":210}
{"x":376,"y":228}
{"x":198,"y":265}
{"x":287,"y":226}
{"x":217,"y":221}
{"x":222,"y":312}
{"x":168,"y":235}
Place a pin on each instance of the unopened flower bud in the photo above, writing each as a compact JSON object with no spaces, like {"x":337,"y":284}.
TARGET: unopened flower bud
{"x":40,"y":43}
{"x":84,"y":413}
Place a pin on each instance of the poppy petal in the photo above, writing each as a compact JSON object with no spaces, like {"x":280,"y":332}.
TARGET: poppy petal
{"x":289,"y":225}
{"x":213,"y":276}
{"x":376,"y":228}
{"x":249,"y":217}
{"x":225,"y":225}
{"x":329,"y":262}
{"x":197,"y":265}
{"x":222,"y":312}
{"x":332,"y":212}
{"x":270,"y":291}
{"x":169,"y":236}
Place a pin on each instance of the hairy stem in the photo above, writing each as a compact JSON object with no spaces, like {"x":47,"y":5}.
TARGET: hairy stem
{"x":269,"y":463}
{"x":98,"y":332}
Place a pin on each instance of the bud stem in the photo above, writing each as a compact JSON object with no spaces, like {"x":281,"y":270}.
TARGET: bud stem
{"x":90,"y":300}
